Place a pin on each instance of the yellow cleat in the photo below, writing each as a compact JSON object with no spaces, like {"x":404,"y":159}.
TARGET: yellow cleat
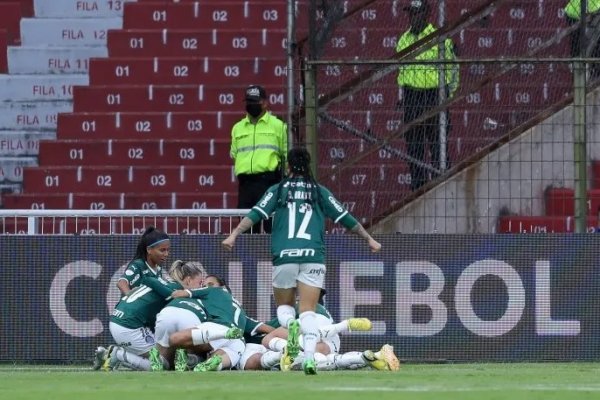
{"x":359,"y":324}
{"x":387,"y":354}
{"x":285,"y":363}
{"x":374,"y":362}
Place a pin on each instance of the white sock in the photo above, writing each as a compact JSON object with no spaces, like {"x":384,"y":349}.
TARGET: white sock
{"x":310,"y":332}
{"x":270,"y":359}
{"x":208,"y":331}
{"x":133,"y":361}
{"x":352,"y":359}
{"x":285,"y":315}
{"x":277,"y":344}
{"x":324,"y":363}
{"x":328,"y":331}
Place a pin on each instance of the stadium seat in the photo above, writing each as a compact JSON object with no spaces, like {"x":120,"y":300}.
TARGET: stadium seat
{"x":10,"y":17}
{"x":3,"y":51}
{"x":207,"y":14}
{"x":561,"y":201}
{"x":177,"y":71}
{"x":165,"y":125}
{"x":127,"y":200}
{"x":132,"y":152}
{"x":157,"y":98}
{"x":197,"y":43}
{"x":105,"y":179}
{"x":554,"y":224}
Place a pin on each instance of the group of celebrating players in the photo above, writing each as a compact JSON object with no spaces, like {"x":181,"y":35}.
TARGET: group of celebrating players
{"x":189,"y":320}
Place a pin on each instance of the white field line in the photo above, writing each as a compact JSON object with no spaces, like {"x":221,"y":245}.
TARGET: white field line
{"x":425,"y":388}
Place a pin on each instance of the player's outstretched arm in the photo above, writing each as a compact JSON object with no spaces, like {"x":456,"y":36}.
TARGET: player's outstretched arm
{"x":362,"y":232}
{"x":245,"y":224}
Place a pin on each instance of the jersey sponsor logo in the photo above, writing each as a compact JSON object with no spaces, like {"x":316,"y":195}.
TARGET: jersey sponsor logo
{"x":335,"y":204}
{"x":118,"y":313}
{"x":266,"y":200}
{"x":316,"y":271}
{"x":297,"y":253}
{"x":129,"y":272}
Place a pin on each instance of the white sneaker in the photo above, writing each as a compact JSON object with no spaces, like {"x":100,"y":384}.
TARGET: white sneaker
{"x":98,"y":358}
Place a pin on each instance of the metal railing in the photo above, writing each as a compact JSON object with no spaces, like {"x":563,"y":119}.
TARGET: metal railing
{"x":121,"y":222}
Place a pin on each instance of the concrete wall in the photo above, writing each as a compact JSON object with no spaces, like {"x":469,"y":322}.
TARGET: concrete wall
{"x":512,"y":177}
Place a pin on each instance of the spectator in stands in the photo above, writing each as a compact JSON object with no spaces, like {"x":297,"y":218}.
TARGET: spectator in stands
{"x":592,"y":42}
{"x":421,"y":91}
{"x":152,"y":251}
{"x":300,"y":205}
{"x":258,"y":148}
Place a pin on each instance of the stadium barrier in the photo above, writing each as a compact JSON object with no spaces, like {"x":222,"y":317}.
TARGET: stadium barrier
{"x":434,"y":297}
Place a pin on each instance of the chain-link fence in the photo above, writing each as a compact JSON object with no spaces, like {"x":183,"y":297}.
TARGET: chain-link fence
{"x":492,"y":146}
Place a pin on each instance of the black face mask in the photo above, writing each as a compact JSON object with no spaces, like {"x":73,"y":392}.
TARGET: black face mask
{"x":254,"y":109}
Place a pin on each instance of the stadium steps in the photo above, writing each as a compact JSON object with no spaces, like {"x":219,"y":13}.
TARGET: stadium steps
{"x":55,"y":42}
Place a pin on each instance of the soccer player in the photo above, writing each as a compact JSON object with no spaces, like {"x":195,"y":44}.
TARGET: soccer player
{"x":152,"y":251}
{"x":134,"y":317}
{"x":299,"y":205}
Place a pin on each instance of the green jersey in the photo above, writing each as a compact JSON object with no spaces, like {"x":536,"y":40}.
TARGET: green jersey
{"x":138,"y":269}
{"x":139,"y":307}
{"x":193,"y":305}
{"x":220,"y":306}
{"x":299,"y":214}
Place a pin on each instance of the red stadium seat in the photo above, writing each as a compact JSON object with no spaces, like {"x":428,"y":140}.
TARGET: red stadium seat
{"x":166,"y":125}
{"x":561,"y":201}
{"x":118,"y":179}
{"x":206,"y":14}
{"x":155,"y":98}
{"x":197,"y":43}
{"x":522,"y":224}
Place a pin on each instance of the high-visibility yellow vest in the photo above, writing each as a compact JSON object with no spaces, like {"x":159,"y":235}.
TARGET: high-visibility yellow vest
{"x":427,"y":76}
{"x":259,"y":147}
{"x":573,"y":8}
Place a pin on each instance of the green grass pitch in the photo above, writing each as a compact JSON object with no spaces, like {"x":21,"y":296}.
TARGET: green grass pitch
{"x":513,"y":381}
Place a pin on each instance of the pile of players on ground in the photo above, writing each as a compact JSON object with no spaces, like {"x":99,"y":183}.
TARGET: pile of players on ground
{"x":190,"y":321}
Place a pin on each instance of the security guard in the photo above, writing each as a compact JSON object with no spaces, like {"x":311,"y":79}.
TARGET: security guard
{"x":420,"y":84}
{"x":573,"y":15}
{"x":258,"y":148}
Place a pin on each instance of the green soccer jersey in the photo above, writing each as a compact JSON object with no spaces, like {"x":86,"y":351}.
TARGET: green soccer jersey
{"x":138,"y":269}
{"x":220,"y":306}
{"x":193,"y":305}
{"x":139,"y":307}
{"x":299,"y":214}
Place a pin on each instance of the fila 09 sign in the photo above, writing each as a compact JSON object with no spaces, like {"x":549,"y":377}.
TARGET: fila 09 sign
{"x":434,"y":297}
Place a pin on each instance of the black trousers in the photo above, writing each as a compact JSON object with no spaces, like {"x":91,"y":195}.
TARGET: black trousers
{"x":424,"y":136}
{"x":251,"y":187}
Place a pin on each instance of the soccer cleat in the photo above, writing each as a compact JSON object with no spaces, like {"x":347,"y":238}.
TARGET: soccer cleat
{"x":309,"y":366}
{"x":387,"y":354}
{"x":111,"y":362}
{"x":234,"y":333}
{"x":156,"y":363}
{"x":181,"y":360}
{"x":359,"y":324}
{"x":285,"y":363}
{"x":98,"y":358}
{"x":375,"y":363}
{"x":212,"y":364}
{"x":293,"y":343}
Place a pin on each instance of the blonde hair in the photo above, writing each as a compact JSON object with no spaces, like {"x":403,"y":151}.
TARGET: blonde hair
{"x":180,"y":270}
